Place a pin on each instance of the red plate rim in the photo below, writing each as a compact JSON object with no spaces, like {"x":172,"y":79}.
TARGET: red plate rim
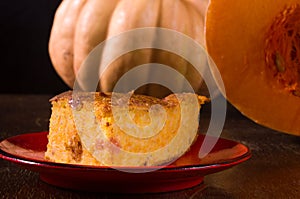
{"x":28,"y":161}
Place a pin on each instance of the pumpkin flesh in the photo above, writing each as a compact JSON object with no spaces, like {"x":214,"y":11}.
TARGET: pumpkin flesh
{"x":258,"y":61}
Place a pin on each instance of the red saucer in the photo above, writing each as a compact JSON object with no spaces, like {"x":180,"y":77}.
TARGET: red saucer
{"x":28,"y":151}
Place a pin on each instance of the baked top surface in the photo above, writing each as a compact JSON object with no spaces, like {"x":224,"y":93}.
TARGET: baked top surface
{"x":136,"y":100}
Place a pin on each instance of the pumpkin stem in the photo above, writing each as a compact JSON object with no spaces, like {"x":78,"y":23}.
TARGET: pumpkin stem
{"x":282,"y":50}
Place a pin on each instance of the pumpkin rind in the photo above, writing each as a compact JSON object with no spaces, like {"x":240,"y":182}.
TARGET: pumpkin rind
{"x":91,"y":28}
{"x":61,"y":38}
{"x":128,"y":16}
{"x":236,"y":38}
{"x":92,"y":21}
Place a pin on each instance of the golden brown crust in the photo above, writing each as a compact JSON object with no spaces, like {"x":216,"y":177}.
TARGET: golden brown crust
{"x":135,"y":99}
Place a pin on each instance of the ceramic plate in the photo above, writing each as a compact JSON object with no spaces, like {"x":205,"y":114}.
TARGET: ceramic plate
{"x":28,"y":151}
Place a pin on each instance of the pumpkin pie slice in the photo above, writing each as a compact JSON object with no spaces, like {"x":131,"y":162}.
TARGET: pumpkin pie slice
{"x":114,"y":129}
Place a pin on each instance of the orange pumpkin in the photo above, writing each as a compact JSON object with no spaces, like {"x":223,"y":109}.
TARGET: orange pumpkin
{"x":256,"y":46}
{"x":80,"y":25}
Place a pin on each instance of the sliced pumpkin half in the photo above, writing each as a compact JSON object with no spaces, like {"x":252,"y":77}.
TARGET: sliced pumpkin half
{"x":256,"y":46}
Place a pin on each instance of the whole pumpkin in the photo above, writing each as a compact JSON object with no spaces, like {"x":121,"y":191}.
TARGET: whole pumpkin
{"x":256,"y":46}
{"x":80,"y":25}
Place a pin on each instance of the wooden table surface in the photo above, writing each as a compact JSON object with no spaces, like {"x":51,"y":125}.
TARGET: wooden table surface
{"x":272,"y":172}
